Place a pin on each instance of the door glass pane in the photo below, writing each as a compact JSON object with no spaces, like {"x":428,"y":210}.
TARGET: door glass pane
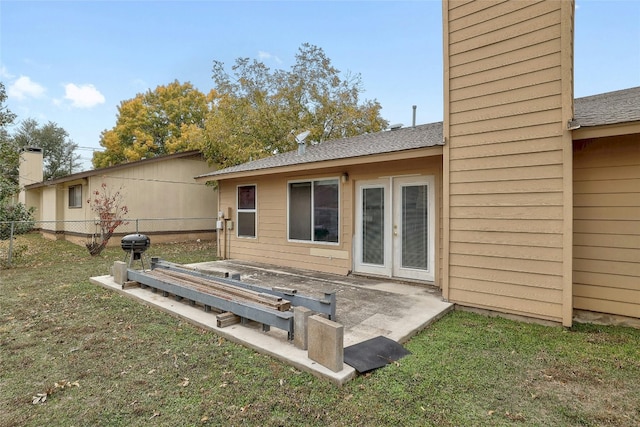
{"x":414,"y":227}
{"x":373,"y":226}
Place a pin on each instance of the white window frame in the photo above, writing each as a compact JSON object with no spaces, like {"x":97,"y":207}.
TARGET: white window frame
{"x":254,"y":211}
{"x":312,"y":181}
{"x":77,"y":201}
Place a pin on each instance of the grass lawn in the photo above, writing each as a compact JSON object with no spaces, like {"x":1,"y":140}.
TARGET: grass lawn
{"x":101,"y":359}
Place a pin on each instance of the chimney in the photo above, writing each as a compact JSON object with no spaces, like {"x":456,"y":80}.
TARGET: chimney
{"x":30,"y":170}
{"x":301,"y":148}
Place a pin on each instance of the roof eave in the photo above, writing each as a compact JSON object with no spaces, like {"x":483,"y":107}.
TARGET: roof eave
{"x":603,"y":131}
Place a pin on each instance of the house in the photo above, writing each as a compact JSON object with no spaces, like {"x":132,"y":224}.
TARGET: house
{"x":163,"y":200}
{"x":522,"y":201}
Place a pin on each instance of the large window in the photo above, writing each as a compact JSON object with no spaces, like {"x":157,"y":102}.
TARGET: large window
{"x":313,"y":210}
{"x":247,"y":211}
{"x":75,"y":196}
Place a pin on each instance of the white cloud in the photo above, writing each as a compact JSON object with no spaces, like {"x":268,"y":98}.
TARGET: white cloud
{"x":24,"y":87}
{"x":83,"y":96}
{"x":5,"y":74}
{"x":266,"y":55}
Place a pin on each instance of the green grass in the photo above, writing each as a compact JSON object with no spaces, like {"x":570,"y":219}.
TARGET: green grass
{"x":120,"y":363}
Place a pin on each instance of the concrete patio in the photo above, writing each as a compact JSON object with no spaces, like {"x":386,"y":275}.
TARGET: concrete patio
{"x":366,"y":307}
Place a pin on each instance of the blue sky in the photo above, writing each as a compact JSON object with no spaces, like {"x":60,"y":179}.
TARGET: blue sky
{"x":73,"y":62}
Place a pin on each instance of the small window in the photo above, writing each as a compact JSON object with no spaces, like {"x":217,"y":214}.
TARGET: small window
{"x":75,"y":196}
{"x":246,"y":211}
{"x":314,"y":211}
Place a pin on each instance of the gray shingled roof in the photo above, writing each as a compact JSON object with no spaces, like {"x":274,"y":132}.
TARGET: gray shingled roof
{"x":389,"y":141}
{"x":604,"y":109}
{"x":608,"y":108}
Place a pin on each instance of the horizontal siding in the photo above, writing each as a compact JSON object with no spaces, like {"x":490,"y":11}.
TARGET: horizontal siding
{"x":506,"y":172}
{"x":271,"y":245}
{"x":507,"y":304}
{"x":607,"y":226}
{"x":531,"y":132}
{"x":505,"y":238}
{"x":512,"y":186}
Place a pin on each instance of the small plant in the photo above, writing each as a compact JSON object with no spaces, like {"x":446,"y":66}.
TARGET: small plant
{"x":110,"y":210}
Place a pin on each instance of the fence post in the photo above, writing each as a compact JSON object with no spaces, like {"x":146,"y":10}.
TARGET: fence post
{"x":137,"y":225}
{"x":10,"y":243}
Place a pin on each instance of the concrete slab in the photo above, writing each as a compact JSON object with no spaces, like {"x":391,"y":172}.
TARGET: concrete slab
{"x":366,"y":307}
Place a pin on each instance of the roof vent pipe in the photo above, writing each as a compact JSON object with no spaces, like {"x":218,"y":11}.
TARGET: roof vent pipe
{"x":300,"y":140}
{"x":414,"y":115}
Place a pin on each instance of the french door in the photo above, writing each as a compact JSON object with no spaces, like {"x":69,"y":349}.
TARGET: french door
{"x":395,"y":227}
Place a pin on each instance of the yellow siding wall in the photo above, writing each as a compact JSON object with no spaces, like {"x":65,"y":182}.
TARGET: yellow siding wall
{"x":271,"y":245}
{"x":607,"y":226}
{"x":506,"y":99}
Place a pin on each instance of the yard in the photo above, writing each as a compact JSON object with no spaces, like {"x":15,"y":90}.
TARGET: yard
{"x":75,"y":354}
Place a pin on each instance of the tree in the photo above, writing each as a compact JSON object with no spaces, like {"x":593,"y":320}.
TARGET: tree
{"x":6,"y":116}
{"x":167,"y":120}
{"x":9,"y":160}
{"x":256,"y":111}
{"x":111,"y":210}
{"x":58,"y":150}
{"x":8,"y":152}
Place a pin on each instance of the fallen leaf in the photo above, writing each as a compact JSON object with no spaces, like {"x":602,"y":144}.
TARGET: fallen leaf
{"x":39,"y":398}
{"x":281,"y":382}
{"x":155,"y":414}
{"x":185,"y":382}
{"x":151,"y":372}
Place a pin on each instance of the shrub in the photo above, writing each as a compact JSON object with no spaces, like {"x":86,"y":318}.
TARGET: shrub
{"x":19,"y":215}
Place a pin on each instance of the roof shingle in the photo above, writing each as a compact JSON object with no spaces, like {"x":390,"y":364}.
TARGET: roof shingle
{"x":408,"y":138}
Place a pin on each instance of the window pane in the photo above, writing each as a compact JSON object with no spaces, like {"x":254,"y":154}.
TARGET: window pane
{"x":325,"y":210}
{"x":75,"y":196}
{"x":247,"y":224}
{"x":373,"y":226}
{"x":414,"y":224}
{"x":300,"y":211}
{"x":247,"y":197}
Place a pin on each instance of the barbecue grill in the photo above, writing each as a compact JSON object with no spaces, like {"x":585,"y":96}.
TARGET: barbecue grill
{"x":135,"y":245}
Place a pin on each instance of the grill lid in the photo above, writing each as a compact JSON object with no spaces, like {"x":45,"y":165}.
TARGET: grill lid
{"x":135,"y":242}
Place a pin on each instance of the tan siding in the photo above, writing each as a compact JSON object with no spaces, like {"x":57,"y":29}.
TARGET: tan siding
{"x":512,"y":186}
{"x":271,"y":245}
{"x":515,"y":108}
{"x":461,"y":56}
{"x":509,"y":277}
{"x":506,"y":153}
{"x":607,"y":226}
{"x":530,"y":133}
{"x":509,"y":304}
{"x":505,"y":238}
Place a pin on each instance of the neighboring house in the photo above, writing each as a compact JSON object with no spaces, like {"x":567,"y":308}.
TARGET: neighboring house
{"x":514,"y":204}
{"x":163,"y":200}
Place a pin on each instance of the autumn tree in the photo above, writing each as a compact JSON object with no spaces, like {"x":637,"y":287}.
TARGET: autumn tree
{"x":166,"y":120}
{"x":257,"y":111}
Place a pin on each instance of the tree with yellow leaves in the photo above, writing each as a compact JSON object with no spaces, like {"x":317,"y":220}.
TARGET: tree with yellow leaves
{"x":168,"y":120}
